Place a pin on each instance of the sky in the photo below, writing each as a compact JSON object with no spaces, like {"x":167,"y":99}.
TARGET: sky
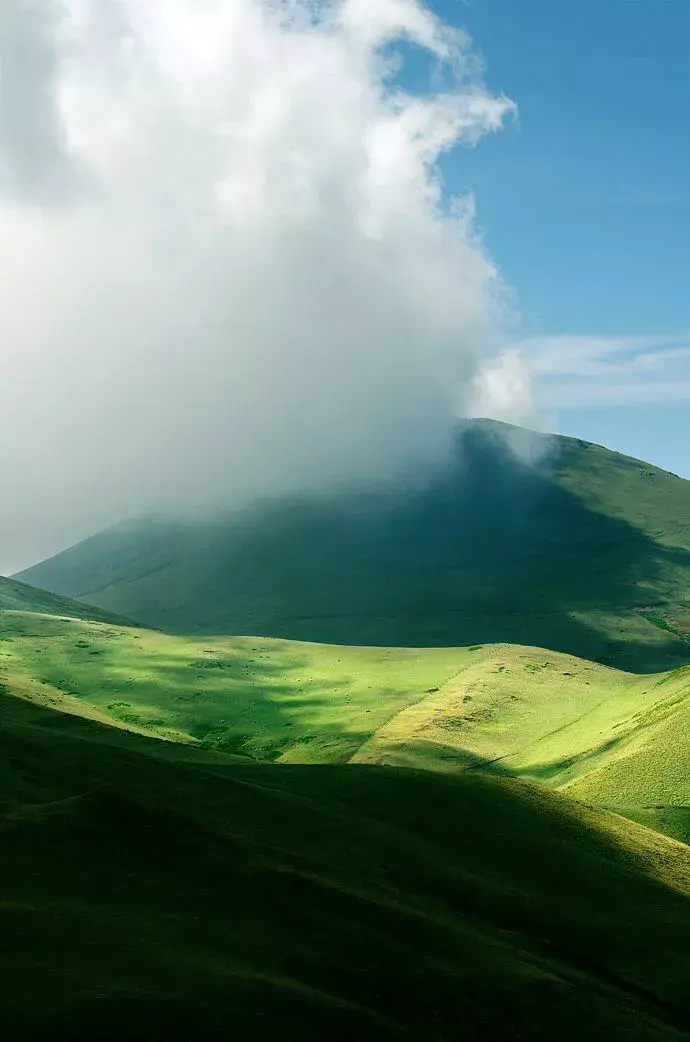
{"x":248,"y":247}
{"x":584,"y":202}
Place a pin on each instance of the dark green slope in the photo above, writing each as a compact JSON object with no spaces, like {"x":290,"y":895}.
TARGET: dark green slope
{"x":580,"y":550}
{"x":153,"y":892}
{"x":17,"y":596}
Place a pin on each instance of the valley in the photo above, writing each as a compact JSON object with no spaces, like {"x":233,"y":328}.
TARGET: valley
{"x":210,"y":824}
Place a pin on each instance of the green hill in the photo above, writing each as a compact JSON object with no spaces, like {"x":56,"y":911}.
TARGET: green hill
{"x":615,"y":739}
{"x":565,"y":545}
{"x":151,"y":891}
{"x":600,"y":734}
{"x":17,"y":596}
{"x":263,"y":698}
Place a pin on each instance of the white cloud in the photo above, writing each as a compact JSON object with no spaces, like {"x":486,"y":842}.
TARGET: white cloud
{"x":227,"y":262}
{"x":598,"y":371}
{"x":502,"y":389}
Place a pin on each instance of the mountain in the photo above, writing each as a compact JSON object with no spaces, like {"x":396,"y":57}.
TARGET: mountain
{"x":17,"y":596}
{"x":519,"y":537}
{"x":153,"y":891}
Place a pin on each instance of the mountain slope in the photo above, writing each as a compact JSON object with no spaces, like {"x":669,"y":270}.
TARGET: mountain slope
{"x":17,"y":596}
{"x":206,"y":899}
{"x":578,"y":549}
{"x":608,"y":737}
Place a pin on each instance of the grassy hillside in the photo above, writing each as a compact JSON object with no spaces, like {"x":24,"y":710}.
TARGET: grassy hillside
{"x":579,"y":549}
{"x":17,"y":596}
{"x":612,"y":738}
{"x":264,"y":698}
{"x":606,"y":736}
{"x":153,"y":891}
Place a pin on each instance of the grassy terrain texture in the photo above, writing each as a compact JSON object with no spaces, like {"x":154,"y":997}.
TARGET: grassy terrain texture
{"x":607,"y":737}
{"x":157,"y":891}
{"x":519,"y":538}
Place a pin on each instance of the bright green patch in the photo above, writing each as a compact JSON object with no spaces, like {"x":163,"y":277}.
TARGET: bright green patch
{"x":267,"y":699}
{"x":600,"y":734}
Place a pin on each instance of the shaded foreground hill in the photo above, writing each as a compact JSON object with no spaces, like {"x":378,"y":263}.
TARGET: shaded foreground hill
{"x":154,"y":891}
{"x":564,"y":545}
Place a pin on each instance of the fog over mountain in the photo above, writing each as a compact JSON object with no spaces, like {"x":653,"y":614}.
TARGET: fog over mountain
{"x":229,"y":266}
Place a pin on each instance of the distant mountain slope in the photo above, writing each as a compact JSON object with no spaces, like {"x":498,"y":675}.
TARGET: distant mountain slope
{"x":17,"y":596}
{"x":152,"y":891}
{"x":580,"y":549}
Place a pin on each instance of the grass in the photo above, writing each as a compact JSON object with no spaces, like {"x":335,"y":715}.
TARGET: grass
{"x":159,"y":891}
{"x":600,"y":734}
{"x":263,"y":698}
{"x":581,"y":550}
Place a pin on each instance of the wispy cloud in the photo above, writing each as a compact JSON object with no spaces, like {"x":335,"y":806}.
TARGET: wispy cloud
{"x":581,"y":371}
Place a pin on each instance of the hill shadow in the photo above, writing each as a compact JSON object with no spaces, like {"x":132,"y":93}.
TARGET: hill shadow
{"x":154,"y":891}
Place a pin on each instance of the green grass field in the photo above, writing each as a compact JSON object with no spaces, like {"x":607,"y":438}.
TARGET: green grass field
{"x":604,"y":736}
{"x":157,"y":891}
{"x":263,"y":698}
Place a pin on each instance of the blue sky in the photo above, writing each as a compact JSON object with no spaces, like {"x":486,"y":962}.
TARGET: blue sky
{"x":585,"y":206}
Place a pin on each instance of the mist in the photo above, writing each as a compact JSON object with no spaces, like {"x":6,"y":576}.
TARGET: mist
{"x":228,"y":264}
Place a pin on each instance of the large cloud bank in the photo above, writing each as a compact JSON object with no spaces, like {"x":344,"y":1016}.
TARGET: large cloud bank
{"x":227,"y":264}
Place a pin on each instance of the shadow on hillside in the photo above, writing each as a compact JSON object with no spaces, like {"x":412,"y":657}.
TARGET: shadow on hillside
{"x":332,"y":881}
{"x":552,"y":772}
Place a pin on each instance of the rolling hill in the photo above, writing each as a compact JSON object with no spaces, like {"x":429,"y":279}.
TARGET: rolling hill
{"x":607,"y":737}
{"x":231,"y":836}
{"x":560,"y":544}
{"x":155,"y":891}
{"x":18,"y":596}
